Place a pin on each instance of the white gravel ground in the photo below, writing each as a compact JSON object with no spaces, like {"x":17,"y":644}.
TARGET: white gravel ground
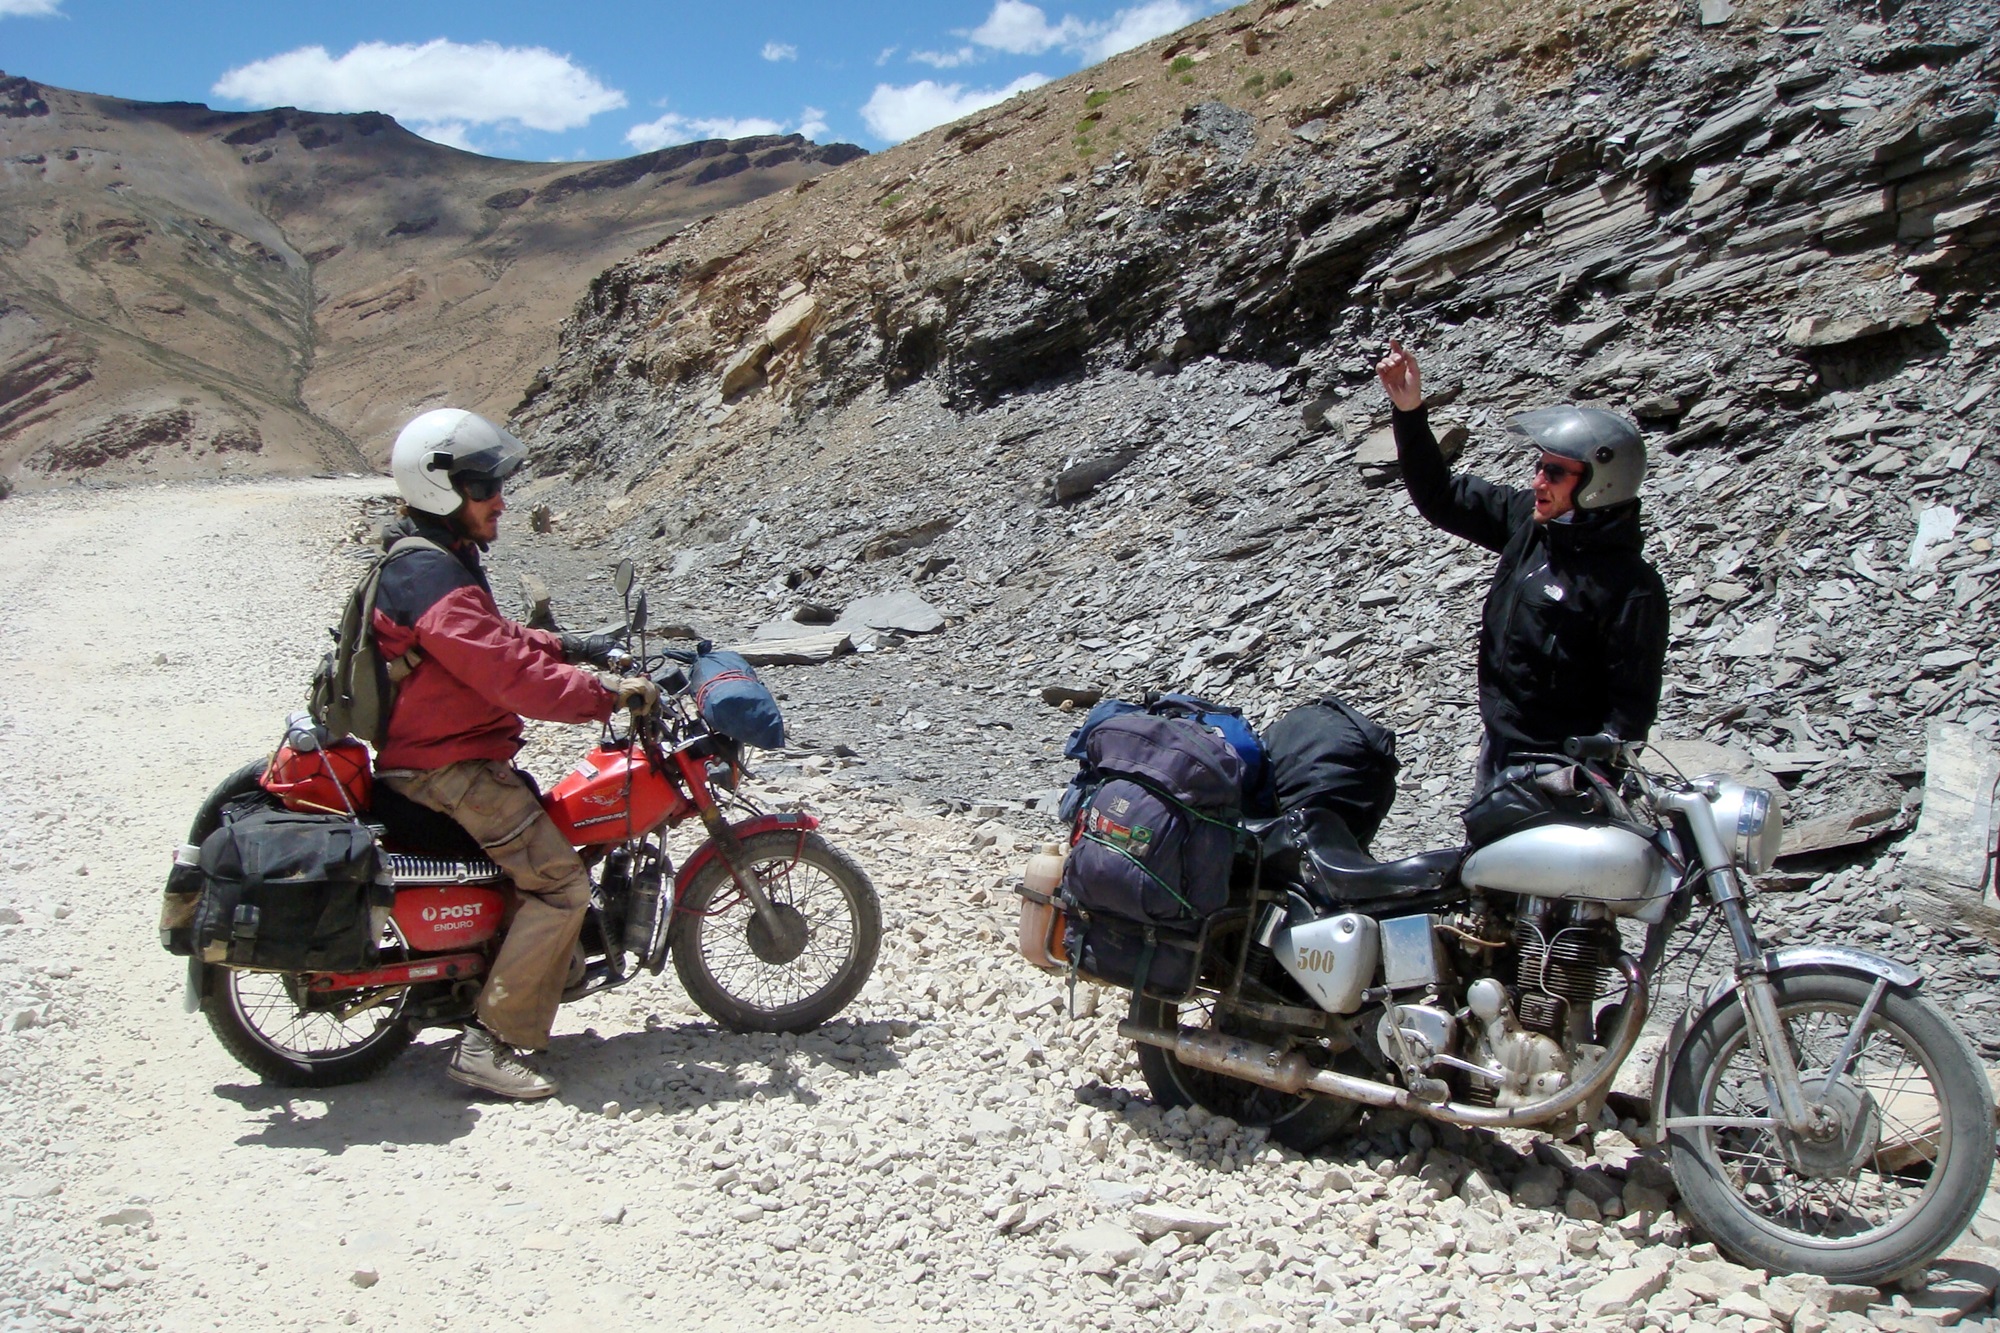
{"x":957,"y":1152}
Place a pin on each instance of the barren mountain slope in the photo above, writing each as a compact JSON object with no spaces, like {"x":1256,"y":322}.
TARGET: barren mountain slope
{"x":1113,"y":411}
{"x":184,"y":291}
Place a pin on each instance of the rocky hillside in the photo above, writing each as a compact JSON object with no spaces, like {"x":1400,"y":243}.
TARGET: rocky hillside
{"x":1105,"y":398}
{"x":186,"y":291}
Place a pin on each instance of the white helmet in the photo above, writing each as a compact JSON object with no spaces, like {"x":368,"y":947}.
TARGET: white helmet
{"x":444,"y":450}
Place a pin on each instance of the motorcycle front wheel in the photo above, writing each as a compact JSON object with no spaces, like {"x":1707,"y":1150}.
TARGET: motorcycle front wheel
{"x":1892,"y":1189}
{"x":795,"y":973}
{"x":1303,"y":1123}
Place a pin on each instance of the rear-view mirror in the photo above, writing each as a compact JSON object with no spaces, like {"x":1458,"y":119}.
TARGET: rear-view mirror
{"x":621,"y":577}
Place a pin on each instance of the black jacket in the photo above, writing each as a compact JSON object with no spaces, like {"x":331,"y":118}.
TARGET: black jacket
{"x":1574,"y":636}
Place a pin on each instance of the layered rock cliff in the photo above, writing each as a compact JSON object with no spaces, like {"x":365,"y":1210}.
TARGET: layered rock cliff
{"x":1117,"y":394}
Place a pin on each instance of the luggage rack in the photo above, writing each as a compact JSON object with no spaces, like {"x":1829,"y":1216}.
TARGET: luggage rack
{"x":408,"y":871}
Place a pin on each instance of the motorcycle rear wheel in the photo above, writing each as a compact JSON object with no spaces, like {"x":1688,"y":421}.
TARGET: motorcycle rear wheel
{"x":792,"y":979}
{"x":248,"y":1011}
{"x":1886,"y":1196}
{"x":1303,"y":1123}
{"x":258,"y":1019}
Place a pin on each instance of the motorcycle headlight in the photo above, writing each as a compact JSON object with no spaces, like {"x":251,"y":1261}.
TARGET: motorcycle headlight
{"x":1748,"y":820}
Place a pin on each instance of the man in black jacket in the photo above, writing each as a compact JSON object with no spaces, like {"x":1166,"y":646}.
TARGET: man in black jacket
{"x":1573,"y":640}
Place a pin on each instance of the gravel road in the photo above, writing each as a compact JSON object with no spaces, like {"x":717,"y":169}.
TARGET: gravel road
{"x":959,"y":1151}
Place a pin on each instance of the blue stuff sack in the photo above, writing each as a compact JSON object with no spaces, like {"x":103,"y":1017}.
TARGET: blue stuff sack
{"x":1228,"y":723}
{"x":733,"y":701}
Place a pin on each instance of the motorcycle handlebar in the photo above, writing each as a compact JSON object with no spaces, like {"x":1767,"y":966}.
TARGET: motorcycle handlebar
{"x":1603,"y":747}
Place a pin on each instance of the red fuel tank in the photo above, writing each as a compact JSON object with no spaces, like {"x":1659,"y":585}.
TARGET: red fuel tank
{"x":611,"y":796}
{"x":452,"y":916}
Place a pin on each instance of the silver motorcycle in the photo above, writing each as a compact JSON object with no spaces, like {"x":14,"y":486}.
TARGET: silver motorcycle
{"x":1819,"y":1115}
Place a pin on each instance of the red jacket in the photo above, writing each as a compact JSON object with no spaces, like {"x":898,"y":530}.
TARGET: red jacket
{"x":480,"y":673}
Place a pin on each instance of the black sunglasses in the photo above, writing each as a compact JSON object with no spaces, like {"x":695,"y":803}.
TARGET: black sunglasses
{"x":1555,"y":473}
{"x":478,"y":489}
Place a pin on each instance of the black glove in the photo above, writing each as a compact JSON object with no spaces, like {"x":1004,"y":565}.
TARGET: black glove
{"x":592,"y":649}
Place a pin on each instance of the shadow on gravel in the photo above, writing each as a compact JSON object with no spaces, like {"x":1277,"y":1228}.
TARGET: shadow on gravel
{"x":1537,"y":1175}
{"x":412,"y":1104}
{"x":693,"y":1065}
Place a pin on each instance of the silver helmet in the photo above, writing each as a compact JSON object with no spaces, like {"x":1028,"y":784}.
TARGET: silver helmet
{"x":1608,"y":446}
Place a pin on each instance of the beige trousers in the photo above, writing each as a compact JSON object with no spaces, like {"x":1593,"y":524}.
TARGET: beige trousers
{"x":496,"y":806}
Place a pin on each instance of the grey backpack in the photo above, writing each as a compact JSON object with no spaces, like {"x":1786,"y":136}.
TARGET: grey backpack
{"x":354,"y":689}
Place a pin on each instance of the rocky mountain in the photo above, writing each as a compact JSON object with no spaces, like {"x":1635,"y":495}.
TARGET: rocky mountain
{"x":186,"y":291}
{"x":1090,"y":373}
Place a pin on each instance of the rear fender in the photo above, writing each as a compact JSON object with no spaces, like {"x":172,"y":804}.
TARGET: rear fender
{"x":1801,"y":958}
{"x":786,"y":820}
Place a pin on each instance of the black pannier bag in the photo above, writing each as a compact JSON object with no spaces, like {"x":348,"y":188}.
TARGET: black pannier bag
{"x":291,"y":892}
{"x":1328,"y":754}
{"x":1524,"y":796}
{"x":1133,"y":955}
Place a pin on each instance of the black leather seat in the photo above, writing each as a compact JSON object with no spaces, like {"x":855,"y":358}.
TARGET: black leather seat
{"x":1315,"y":849}
{"x":418,"y":830}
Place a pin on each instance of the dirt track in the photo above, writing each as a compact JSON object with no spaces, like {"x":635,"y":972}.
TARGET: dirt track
{"x":954,"y":1153}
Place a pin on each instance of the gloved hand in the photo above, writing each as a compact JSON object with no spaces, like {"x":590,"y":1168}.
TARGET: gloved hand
{"x":636,"y":695}
{"x":593,"y":649}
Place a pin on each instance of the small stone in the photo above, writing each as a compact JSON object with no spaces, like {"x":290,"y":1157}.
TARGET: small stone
{"x":1156,"y":1220}
{"x":10,"y":916}
{"x":126,"y":1217}
{"x":364,"y":1278}
{"x":612,"y":1215}
{"x":1622,"y":1290}
{"x":1099,"y":1239}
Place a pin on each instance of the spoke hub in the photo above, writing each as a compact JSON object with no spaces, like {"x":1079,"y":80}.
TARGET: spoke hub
{"x":782,"y":939}
{"x":1849,"y":1132}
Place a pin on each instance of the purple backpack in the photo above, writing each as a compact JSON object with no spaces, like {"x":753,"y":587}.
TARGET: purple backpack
{"x":1155,"y":839}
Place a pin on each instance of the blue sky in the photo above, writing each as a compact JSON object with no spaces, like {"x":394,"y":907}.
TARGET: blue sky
{"x":550,"y":82}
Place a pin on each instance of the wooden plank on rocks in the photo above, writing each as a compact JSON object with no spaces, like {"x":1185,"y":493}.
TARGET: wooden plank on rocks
{"x":802,"y":650}
{"x":1947,"y":869}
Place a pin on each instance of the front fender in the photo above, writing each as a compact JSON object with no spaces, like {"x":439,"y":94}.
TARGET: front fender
{"x":793,"y":820}
{"x":1799,"y":958}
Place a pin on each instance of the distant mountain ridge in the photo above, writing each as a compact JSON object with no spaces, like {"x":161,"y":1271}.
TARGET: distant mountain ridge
{"x":187,"y":292}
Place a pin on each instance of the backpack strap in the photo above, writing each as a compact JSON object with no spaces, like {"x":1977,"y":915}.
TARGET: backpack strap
{"x":401,"y":668}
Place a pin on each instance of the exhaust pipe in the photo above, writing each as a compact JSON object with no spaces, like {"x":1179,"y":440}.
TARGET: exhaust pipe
{"x":1267,"y":1066}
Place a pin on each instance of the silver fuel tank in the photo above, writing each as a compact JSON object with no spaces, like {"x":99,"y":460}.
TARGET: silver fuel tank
{"x":1613,"y":866}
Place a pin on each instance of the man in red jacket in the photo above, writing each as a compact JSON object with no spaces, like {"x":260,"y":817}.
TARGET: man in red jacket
{"x":456,"y":724}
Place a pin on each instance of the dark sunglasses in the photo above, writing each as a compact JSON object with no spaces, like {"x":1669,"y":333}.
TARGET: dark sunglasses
{"x":1555,"y":473}
{"x":478,"y":489}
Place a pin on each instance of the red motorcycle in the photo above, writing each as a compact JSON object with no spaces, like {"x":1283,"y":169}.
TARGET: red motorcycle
{"x":770,"y":928}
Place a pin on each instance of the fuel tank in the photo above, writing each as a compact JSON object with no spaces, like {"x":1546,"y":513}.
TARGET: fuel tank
{"x":448,"y":916}
{"x":613,"y":795}
{"x":1613,"y":866}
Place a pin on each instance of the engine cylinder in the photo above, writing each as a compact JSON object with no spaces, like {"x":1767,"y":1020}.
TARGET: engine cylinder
{"x":1562,"y":962}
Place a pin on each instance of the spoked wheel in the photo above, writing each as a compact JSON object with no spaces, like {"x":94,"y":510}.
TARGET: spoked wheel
{"x":1300,"y":1122}
{"x":266,"y":1020}
{"x":794,"y":972}
{"x":1902,"y":1167}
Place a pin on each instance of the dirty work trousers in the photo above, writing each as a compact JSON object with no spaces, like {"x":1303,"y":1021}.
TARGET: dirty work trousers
{"x":496,"y":806}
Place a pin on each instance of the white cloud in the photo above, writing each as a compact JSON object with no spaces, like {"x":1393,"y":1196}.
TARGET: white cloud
{"x":780,"y":51}
{"x":674,"y":128}
{"x":964,"y":55}
{"x":887,"y":52}
{"x":1141,"y":23}
{"x":29,"y":9}
{"x":442,"y":87}
{"x":1019,"y":28}
{"x":894,"y":114}
{"x":1024,"y":30}
{"x":450,"y":133}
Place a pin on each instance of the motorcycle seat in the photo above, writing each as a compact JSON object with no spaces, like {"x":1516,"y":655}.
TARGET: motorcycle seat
{"x":418,"y":830}
{"x":1315,"y":848}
